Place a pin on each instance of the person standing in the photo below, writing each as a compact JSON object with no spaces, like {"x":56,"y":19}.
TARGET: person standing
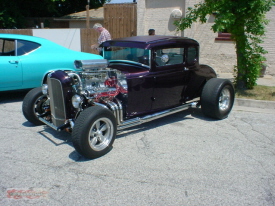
{"x":104,"y":36}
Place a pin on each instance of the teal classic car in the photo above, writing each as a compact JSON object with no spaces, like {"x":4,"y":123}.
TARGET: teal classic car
{"x":25,"y":60}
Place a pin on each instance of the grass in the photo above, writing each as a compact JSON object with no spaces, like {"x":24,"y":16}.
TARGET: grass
{"x":259,"y":92}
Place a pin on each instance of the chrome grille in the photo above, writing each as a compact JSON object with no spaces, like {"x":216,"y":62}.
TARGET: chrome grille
{"x":57,"y":104}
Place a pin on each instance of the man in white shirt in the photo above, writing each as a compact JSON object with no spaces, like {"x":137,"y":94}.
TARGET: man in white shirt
{"x":104,"y":36}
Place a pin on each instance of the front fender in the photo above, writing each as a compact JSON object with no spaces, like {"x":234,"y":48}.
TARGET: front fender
{"x":50,"y":71}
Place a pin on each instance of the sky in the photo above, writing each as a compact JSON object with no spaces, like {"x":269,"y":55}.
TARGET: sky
{"x":121,"y":1}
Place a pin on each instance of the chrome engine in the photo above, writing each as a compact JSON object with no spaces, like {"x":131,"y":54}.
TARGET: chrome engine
{"x":97,"y":82}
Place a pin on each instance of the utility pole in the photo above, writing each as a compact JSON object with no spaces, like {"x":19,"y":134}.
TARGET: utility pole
{"x":88,"y":14}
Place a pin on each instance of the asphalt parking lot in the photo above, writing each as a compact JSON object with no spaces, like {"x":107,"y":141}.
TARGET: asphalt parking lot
{"x":182,"y":159}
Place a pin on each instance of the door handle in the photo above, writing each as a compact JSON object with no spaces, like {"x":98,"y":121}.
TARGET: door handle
{"x":186,"y":69}
{"x":13,"y":62}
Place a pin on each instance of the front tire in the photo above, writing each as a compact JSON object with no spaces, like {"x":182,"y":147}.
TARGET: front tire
{"x":217,"y":98}
{"x":34,"y":104}
{"x":94,"y":132}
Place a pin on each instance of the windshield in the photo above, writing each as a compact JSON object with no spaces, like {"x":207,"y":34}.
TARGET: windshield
{"x":129,"y":54}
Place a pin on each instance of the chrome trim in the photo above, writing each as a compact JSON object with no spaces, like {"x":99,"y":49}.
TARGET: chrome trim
{"x":57,"y":107}
{"x":16,"y":45}
{"x":48,"y":123}
{"x":91,"y":65}
{"x":67,"y":124}
{"x":120,"y":111}
{"x":117,"y":110}
{"x":80,"y":87}
{"x":140,"y":120}
{"x":102,"y":105}
{"x":197,"y":99}
{"x":114,"y":109}
{"x":224,"y":99}
{"x":71,"y":123}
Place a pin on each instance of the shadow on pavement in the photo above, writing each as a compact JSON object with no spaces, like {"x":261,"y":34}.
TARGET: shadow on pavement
{"x":63,"y":137}
{"x":180,"y":116}
{"x":12,"y":96}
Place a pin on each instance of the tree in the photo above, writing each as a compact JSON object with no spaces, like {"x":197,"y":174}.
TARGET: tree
{"x":246,"y":22}
{"x":13,"y":13}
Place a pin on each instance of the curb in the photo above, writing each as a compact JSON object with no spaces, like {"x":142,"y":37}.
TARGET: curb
{"x":255,"y":103}
{"x":267,"y":80}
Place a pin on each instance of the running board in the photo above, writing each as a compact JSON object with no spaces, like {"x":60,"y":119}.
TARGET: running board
{"x":140,"y":120}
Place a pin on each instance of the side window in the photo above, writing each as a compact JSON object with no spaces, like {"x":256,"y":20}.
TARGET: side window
{"x":169,"y":56}
{"x":7,"y":47}
{"x":24,"y":47}
{"x":192,"y":55}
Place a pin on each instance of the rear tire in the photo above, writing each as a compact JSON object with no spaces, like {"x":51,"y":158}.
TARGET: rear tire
{"x":217,"y":98}
{"x":94,"y":132}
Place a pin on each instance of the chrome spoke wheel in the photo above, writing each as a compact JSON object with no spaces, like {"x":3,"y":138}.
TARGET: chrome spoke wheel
{"x":41,"y":104}
{"x":101,"y":134}
{"x":94,"y":132}
{"x":224,"y":99}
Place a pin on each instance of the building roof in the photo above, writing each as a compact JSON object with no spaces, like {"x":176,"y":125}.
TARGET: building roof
{"x":95,"y":14}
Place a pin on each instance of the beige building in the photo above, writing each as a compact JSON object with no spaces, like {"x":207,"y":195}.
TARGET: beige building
{"x":216,"y":52}
{"x":78,"y":20}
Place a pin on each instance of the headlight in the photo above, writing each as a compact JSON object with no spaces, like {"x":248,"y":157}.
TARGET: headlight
{"x":76,"y":101}
{"x":45,"y":89}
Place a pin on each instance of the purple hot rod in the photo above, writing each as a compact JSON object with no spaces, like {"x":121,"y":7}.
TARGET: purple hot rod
{"x":141,"y":78}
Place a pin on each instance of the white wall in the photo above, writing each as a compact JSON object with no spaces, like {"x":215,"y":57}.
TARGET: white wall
{"x":69,"y":38}
{"x":269,"y":42}
{"x":156,"y":14}
{"x":220,"y":55}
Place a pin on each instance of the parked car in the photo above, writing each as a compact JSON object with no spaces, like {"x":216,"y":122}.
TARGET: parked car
{"x":142,"y":78}
{"x":25,"y":60}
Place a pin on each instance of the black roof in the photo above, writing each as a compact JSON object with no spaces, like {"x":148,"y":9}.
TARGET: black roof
{"x":147,"y":42}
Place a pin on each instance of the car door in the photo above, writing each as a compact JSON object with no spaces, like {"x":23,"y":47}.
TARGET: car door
{"x":10,"y":65}
{"x":169,"y":78}
{"x":140,"y":90}
{"x":196,"y":76}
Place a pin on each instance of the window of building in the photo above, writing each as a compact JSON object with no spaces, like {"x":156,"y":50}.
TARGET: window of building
{"x":224,"y":36}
